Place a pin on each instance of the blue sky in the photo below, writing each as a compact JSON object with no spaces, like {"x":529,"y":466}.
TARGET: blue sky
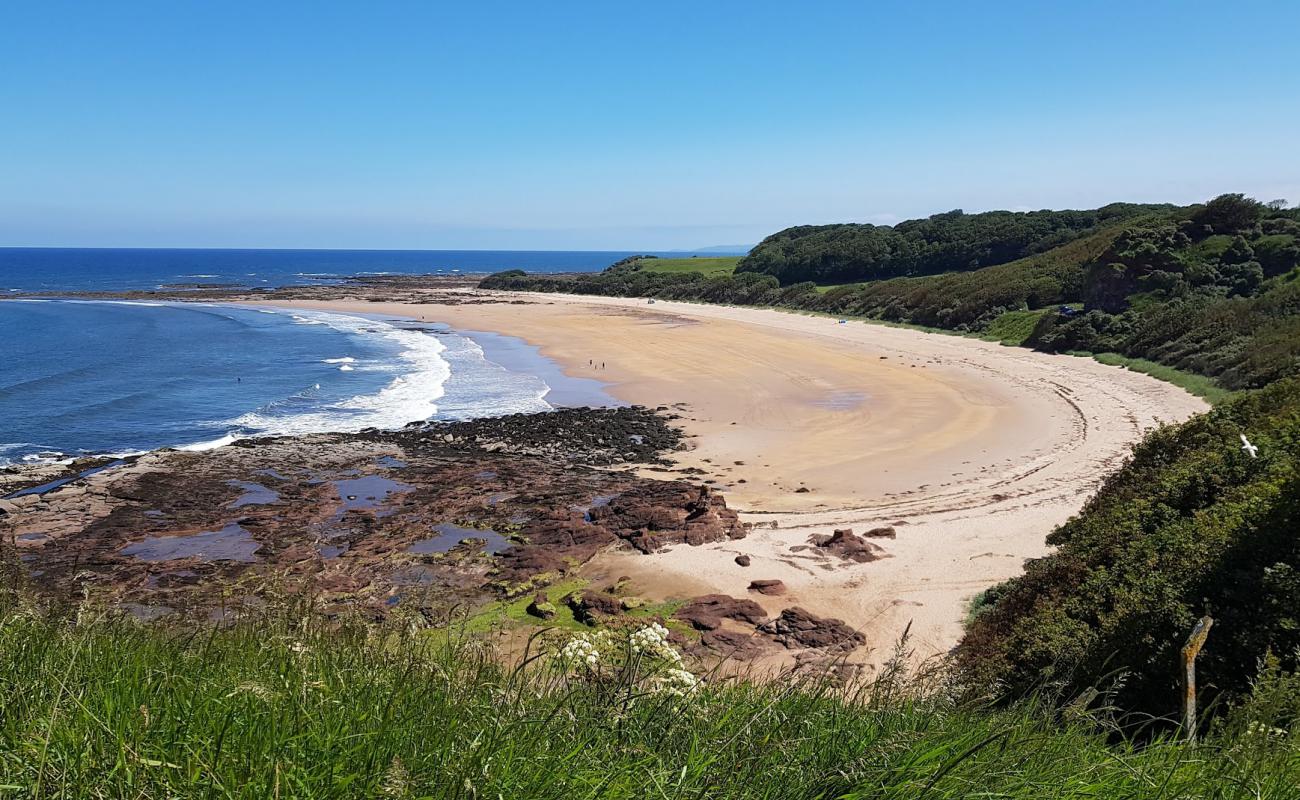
{"x":616,"y":125}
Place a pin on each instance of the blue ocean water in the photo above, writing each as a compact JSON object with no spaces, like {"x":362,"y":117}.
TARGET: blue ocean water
{"x":104,"y":376}
{"x":79,"y":269}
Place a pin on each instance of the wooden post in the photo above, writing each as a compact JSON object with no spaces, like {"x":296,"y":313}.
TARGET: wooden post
{"x":1190,"y":650}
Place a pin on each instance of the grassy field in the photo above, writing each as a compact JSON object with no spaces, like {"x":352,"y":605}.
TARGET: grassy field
{"x":285,"y":708}
{"x":1013,"y":327}
{"x":719,"y":265}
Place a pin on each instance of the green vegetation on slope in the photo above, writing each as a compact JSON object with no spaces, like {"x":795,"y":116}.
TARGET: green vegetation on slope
{"x":718,"y":265}
{"x":1193,"y":525}
{"x":283,"y":708}
{"x":1212,"y":290}
{"x":949,"y":242}
{"x":1014,"y":327}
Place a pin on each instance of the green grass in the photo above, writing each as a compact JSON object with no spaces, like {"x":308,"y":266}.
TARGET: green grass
{"x":284,"y":709}
{"x":1199,"y":385}
{"x":506,"y":613}
{"x":823,"y":288}
{"x":1013,"y":327}
{"x":719,"y":265}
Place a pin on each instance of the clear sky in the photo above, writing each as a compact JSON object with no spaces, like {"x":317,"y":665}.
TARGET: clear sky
{"x":613,"y":125}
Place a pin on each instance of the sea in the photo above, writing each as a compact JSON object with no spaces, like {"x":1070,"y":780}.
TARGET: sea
{"x":81,"y":377}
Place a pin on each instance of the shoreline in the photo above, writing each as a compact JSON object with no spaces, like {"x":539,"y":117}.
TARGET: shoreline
{"x":504,"y":352}
{"x":963,"y":452}
{"x":972,"y":452}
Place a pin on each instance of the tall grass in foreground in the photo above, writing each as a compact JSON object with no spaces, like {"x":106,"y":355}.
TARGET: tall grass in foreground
{"x":110,"y":708}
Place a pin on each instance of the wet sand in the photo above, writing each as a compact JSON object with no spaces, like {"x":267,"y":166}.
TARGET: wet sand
{"x":972,"y":451}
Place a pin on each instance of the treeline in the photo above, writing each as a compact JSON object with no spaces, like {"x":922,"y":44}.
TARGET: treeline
{"x":949,"y":242}
{"x":1210,"y":289}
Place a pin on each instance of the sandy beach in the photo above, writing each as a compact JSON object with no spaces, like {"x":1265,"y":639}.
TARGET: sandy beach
{"x":972,"y":452}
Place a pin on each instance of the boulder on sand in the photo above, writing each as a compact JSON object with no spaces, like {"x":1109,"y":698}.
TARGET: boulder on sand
{"x":848,"y":545}
{"x":797,"y":627}
{"x":706,"y":613}
{"x":743,"y":560}
{"x":768,"y":586}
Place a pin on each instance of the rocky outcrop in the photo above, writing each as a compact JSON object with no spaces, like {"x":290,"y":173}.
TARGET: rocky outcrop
{"x":848,"y":545}
{"x":796,"y":627}
{"x":362,"y":521}
{"x":707,"y":613}
{"x":541,"y":607}
{"x":768,"y":587}
{"x":592,"y":607}
{"x":663,"y":514}
{"x":597,"y":436}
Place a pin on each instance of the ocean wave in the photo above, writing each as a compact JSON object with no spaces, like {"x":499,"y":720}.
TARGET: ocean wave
{"x":411,"y":395}
{"x":343,"y":360}
{"x":211,"y":444}
{"x":479,"y":387}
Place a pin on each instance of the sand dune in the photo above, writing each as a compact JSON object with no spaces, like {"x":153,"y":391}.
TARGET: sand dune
{"x":972,"y":451}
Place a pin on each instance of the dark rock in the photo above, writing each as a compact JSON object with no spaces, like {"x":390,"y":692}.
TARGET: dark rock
{"x":591,"y":607}
{"x":656,"y":515}
{"x":767,"y":586}
{"x":743,"y":560}
{"x":797,"y":627}
{"x":734,"y":644}
{"x":706,"y":613}
{"x":849,"y":546}
{"x":540,"y":607}
{"x":881,"y":533}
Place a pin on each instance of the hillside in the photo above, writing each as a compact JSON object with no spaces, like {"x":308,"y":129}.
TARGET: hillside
{"x":712,"y":265}
{"x":1192,"y":525}
{"x":1211,"y":289}
{"x":950,"y":242}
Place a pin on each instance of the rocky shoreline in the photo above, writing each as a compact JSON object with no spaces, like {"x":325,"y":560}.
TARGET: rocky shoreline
{"x":433,"y":519}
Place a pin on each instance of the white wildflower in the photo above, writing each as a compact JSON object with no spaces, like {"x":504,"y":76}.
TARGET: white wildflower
{"x":1260,"y":729}
{"x":680,"y":682}
{"x":652,"y":641}
{"x":581,"y":649}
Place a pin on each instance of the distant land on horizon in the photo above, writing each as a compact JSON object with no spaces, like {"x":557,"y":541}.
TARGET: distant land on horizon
{"x":723,"y":249}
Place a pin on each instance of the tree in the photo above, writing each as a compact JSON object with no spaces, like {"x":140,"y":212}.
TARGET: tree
{"x":1229,"y":213}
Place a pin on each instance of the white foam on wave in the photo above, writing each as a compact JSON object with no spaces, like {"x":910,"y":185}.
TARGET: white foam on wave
{"x":211,"y":444}
{"x":345,"y":368}
{"x":482,"y":388}
{"x":410,"y":396}
{"x":343,"y":360}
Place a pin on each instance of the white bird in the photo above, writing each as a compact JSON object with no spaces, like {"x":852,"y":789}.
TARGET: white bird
{"x":1248,"y":447}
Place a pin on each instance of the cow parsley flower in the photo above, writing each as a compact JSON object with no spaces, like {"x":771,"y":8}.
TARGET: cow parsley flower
{"x":581,"y":650}
{"x":652,"y":641}
{"x":680,"y":683}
